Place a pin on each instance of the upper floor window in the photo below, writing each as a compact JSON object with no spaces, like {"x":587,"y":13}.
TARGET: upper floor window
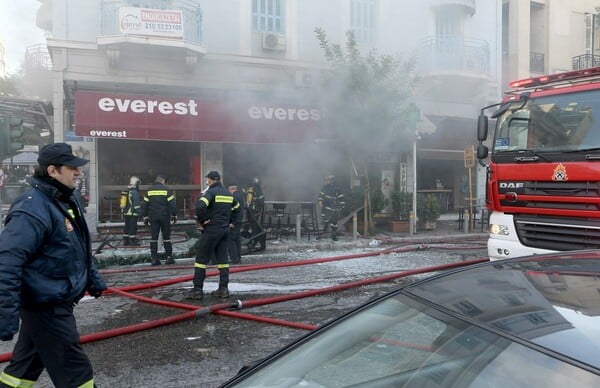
{"x":362,"y":20}
{"x":267,"y":16}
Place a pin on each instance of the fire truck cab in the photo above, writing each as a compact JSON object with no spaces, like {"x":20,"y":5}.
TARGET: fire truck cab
{"x":543,"y":176}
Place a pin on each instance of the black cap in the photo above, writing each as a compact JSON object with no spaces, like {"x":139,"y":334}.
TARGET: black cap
{"x":60,"y":153}
{"x":214,"y":175}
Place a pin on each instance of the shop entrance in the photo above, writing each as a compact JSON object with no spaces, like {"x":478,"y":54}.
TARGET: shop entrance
{"x":118,"y":160}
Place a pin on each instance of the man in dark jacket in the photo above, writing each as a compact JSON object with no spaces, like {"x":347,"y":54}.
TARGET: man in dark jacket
{"x":46,"y":266}
{"x":331,"y":200}
{"x":159,"y":209}
{"x":234,"y":241}
{"x":132,"y":210}
{"x":216,"y":209}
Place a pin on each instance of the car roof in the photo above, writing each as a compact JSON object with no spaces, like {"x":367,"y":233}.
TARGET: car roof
{"x":551,"y":301}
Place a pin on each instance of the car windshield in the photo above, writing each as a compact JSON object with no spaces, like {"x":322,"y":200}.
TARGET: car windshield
{"x":400,"y":342}
{"x":553,"y":123}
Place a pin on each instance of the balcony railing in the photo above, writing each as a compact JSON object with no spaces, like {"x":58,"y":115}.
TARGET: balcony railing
{"x":469,"y":4}
{"x":536,"y":63}
{"x":585,"y":61}
{"x":192,"y":18}
{"x":455,"y":54}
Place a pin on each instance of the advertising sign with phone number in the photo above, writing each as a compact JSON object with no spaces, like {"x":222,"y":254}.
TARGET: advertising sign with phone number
{"x":151,"y":22}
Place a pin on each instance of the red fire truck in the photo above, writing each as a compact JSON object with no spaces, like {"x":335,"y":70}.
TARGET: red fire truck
{"x":543,"y":176}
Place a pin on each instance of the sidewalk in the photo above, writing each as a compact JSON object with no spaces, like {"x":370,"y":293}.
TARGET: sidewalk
{"x":447,"y":228}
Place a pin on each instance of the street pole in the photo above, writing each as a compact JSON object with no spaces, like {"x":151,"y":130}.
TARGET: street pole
{"x":414,"y":115}
{"x":413,"y":220}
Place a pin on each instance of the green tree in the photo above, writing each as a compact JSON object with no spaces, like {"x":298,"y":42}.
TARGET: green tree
{"x":365,"y":102}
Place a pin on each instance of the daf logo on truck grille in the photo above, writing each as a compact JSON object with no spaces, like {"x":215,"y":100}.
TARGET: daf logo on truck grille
{"x":560,"y":173}
{"x":512,"y":185}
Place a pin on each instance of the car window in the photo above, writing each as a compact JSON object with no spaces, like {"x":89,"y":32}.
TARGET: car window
{"x":543,"y":371}
{"x":399,"y":342}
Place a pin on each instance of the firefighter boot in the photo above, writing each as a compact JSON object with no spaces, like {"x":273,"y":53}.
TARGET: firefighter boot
{"x":194,"y":293}
{"x":125,"y":241}
{"x":133,"y":241}
{"x":221,"y":292}
{"x":154,"y":253}
{"x":198,"y":281}
{"x":170,"y":260}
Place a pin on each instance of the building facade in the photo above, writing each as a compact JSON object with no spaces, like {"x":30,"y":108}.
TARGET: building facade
{"x":548,"y":36}
{"x":181,"y":87}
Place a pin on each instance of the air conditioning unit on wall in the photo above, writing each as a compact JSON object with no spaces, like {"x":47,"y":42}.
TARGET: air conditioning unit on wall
{"x":273,"y":42}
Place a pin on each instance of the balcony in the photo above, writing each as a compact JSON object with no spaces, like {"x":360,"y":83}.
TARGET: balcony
{"x":454,"y":68}
{"x":454,"y":54}
{"x":129,"y":29}
{"x":468,"y":5}
{"x":585,"y":61}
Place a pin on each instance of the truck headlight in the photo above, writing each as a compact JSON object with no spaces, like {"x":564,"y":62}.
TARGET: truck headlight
{"x":499,"y":229}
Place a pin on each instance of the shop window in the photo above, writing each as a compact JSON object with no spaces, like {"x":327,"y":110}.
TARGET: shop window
{"x":362,"y":20}
{"x":267,"y":16}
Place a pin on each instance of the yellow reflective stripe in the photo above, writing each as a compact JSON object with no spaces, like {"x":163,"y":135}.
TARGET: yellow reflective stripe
{"x":153,"y":193}
{"x":71,"y":213}
{"x":87,"y":384}
{"x":236,"y":206}
{"x":12,"y":381}
{"x":203,"y":199}
{"x":200,"y":265}
{"x":172,"y":197}
{"x":222,"y":266}
{"x":224,"y":199}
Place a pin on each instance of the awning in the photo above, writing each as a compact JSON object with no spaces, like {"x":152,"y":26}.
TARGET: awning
{"x":136,"y":116}
{"x":22,"y":159}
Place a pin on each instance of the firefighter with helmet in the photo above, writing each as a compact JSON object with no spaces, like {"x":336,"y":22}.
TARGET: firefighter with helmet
{"x":131,"y":206}
{"x":331,"y":200}
{"x":216,"y":210}
{"x":159,"y":209}
{"x":255,"y":198}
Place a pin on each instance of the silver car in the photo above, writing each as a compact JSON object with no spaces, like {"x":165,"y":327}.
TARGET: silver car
{"x":527,"y":322}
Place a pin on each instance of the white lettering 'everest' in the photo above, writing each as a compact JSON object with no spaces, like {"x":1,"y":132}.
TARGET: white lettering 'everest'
{"x":125,"y":105}
{"x":270,"y":113}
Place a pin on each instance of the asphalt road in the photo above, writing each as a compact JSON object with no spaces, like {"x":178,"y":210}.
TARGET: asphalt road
{"x":208,"y":350}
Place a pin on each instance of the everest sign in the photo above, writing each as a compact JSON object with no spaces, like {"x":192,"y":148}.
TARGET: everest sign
{"x":151,"y":22}
{"x":134,"y":116}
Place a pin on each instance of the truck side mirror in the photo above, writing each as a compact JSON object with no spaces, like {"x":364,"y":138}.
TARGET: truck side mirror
{"x":482,"y":127}
{"x":482,"y":152}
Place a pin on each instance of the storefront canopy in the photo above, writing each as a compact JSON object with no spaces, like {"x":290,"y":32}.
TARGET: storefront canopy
{"x":124,"y":116}
{"x":22,"y":159}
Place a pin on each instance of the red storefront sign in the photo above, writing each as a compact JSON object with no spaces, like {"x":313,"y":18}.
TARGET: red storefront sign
{"x":129,"y":116}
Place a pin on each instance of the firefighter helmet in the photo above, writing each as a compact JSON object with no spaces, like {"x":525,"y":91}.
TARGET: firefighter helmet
{"x":134,"y":181}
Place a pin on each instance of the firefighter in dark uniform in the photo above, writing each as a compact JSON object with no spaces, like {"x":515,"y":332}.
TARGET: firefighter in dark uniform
{"x":159,"y":210}
{"x":331,"y":200}
{"x":234,"y":241}
{"x":132,"y":210}
{"x":255,"y":198}
{"x":46,"y":266}
{"x":216,"y":210}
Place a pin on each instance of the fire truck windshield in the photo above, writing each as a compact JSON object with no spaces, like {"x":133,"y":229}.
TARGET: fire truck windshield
{"x":557,"y":123}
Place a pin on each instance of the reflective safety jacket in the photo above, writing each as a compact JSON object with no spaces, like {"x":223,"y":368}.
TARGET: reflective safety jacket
{"x":45,"y":253}
{"x":133,"y":205}
{"x":159,"y":202}
{"x":218,"y":206}
{"x":331,"y":197}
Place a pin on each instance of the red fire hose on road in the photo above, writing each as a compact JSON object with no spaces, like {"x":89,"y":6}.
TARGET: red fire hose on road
{"x":222,"y":308}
